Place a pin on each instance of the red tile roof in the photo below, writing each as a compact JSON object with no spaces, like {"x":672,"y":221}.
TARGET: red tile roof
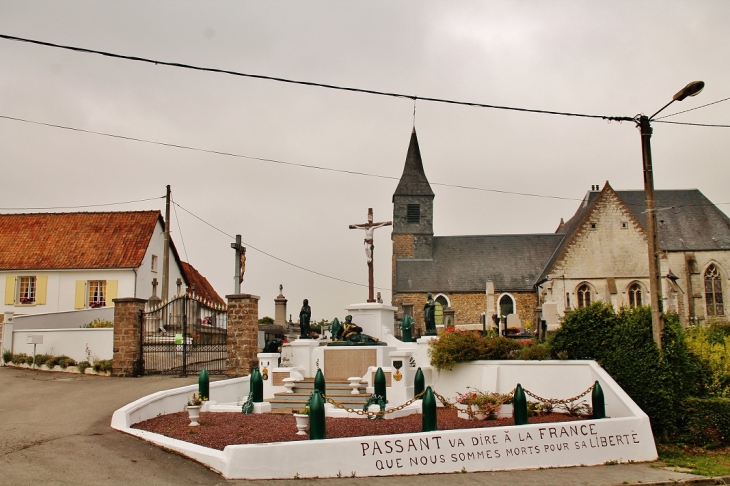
{"x":203,"y":288}
{"x":75,"y":240}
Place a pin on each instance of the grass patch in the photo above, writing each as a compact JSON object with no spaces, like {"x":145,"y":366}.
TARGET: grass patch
{"x":705,"y":462}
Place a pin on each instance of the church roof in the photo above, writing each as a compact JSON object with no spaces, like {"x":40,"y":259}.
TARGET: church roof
{"x":464,"y":263}
{"x":686,"y":219}
{"x":413,"y":182}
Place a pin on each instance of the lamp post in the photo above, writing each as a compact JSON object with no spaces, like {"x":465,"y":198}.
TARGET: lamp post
{"x":655,"y":289}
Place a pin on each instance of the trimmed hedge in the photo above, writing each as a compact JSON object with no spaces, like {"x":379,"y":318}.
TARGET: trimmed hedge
{"x":706,"y":422}
{"x":622,"y":344}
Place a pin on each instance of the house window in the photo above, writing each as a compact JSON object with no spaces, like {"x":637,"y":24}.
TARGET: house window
{"x":593,"y":225}
{"x":635,"y":295}
{"x":413,"y":213}
{"x":713,"y":292}
{"x":154,"y":263}
{"x":26,"y":290}
{"x":624,"y":225}
{"x":584,"y":295}
{"x":97,"y":293}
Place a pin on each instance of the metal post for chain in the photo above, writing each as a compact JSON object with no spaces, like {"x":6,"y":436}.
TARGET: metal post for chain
{"x":379,"y":384}
{"x":319,"y":383}
{"x":419,"y":383}
{"x":204,"y":384}
{"x":428,"y":405}
{"x":599,"y":404}
{"x":520,"y":406}
{"x":257,"y":386}
{"x":317,"y":429}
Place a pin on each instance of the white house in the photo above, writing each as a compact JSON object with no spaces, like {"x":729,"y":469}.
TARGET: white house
{"x":52,"y":262}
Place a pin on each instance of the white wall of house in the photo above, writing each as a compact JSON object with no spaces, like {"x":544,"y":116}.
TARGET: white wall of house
{"x":145,"y":272}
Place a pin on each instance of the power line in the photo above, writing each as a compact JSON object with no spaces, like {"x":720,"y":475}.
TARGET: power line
{"x":187,"y":258}
{"x":83,"y":206}
{"x":273,"y":256}
{"x":275,"y":161}
{"x":309,"y":83}
{"x":691,"y":124}
{"x":691,"y":109}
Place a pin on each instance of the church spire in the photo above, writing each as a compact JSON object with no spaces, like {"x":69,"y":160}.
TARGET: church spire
{"x":413,"y":182}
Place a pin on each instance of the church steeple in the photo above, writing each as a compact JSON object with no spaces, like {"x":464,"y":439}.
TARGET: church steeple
{"x":413,"y":209}
{"x":413,"y":182}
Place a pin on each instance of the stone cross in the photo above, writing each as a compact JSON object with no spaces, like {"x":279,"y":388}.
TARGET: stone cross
{"x":240,"y":264}
{"x":370,"y":228}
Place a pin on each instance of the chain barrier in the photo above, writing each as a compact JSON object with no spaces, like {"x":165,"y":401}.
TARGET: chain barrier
{"x":506,"y":397}
{"x":372,"y":415}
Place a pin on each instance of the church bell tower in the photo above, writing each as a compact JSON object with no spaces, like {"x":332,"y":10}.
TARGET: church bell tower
{"x":412,"y":210}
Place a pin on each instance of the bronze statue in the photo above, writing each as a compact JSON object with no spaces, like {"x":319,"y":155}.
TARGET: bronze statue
{"x":273,"y":346}
{"x":304,"y":315}
{"x":429,"y":316}
{"x":351,"y":333}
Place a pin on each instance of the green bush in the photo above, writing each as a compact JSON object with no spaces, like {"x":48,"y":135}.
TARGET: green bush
{"x":712,"y":351}
{"x":64,"y":362}
{"x":7,"y":356}
{"x":20,"y":358}
{"x":82,"y":365}
{"x":98,"y":323}
{"x":453,"y":347}
{"x":622,"y":344}
{"x":102,"y":365}
{"x":705,"y":422}
{"x":536,"y":352}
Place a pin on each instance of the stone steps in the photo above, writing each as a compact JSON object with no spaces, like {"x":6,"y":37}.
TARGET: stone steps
{"x":339,"y":391}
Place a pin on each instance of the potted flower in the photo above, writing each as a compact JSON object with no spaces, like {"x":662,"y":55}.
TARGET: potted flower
{"x":193,"y":406}
{"x":302,"y":418}
{"x":479,"y":405}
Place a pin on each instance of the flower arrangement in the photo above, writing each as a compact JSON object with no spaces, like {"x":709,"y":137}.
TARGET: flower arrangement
{"x":26,"y":300}
{"x":304,"y":411}
{"x":487,"y":403}
{"x":196,"y":400}
{"x":96,"y":304}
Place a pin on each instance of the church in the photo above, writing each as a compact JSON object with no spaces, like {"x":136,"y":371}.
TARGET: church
{"x":598,"y":254}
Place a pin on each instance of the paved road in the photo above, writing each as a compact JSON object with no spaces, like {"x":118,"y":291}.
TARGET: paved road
{"x":54,"y":429}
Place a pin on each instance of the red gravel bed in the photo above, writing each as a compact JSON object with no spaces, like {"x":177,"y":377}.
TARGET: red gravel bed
{"x":219,"y":429}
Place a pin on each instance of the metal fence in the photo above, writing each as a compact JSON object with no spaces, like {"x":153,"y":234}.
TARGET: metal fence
{"x":183,"y":336}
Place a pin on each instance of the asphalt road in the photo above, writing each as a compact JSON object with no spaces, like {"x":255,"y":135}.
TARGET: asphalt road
{"x":54,"y":429}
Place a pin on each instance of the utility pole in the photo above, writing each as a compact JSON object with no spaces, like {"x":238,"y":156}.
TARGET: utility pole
{"x":166,"y":251}
{"x":655,"y":281}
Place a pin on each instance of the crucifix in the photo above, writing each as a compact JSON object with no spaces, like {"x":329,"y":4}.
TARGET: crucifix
{"x":370,"y":228}
{"x":240,"y":264}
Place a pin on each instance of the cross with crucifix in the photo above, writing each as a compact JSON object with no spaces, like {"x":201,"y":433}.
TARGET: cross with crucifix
{"x":240,"y":264}
{"x":370,"y":228}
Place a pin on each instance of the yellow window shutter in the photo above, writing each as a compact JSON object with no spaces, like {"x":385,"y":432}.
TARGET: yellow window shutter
{"x":80,"y":300}
{"x":41,"y":289}
{"x":10,"y":290}
{"x":111,"y":291}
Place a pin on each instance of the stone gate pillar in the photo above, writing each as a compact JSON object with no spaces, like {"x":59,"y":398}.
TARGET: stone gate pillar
{"x":127,"y":337}
{"x":243,"y":334}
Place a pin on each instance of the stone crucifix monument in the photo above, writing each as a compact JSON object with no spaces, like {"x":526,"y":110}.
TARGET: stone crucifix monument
{"x":370,"y":228}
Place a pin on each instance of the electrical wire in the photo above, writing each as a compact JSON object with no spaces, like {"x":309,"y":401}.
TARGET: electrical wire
{"x":83,"y":206}
{"x":308,"y":83}
{"x":274,"y":256}
{"x":691,"y":124}
{"x":187,"y":258}
{"x":275,"y":161}
{"x":691,"y":109}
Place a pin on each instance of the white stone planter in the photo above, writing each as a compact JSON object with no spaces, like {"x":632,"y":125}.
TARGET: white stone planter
{"x":462,"y":411}
{"x":506,"y":411}
{"x":194,"y":414}
{"x":302,"y":423}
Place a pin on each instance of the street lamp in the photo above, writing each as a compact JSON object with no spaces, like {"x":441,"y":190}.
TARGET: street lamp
{"x":655,"y":289}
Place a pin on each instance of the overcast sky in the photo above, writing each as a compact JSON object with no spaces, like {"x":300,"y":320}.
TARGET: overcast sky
{"x":617,"y":58}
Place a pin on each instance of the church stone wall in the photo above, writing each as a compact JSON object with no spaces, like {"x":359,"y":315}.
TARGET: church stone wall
{"x":468,"y":306}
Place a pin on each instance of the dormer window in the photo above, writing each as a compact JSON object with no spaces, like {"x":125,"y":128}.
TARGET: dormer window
{"x":413,"y":214}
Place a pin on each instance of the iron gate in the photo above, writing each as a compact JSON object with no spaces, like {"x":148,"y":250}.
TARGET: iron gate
{"x":184,"y":336}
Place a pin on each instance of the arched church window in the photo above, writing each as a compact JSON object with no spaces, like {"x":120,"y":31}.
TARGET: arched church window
{"x":441,"y":304}
{"x":506,"y":305}
{"x":713,"y":292}
{"x":635,"y":295}
{"x":584,"y":295}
